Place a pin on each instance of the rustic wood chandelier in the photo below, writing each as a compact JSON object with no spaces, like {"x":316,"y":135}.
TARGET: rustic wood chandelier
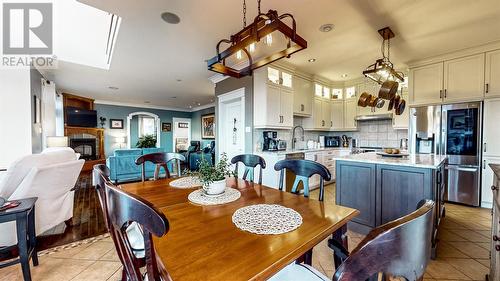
{"x":265,"y":27}
{"x":383,"y":69}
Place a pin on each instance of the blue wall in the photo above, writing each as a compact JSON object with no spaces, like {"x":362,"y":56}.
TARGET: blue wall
{"x":196,"y":125}
{"x":121,"y":112}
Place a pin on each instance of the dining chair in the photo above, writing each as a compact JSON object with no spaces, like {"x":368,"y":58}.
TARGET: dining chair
{"x":124,"y":208}
{"x":250,"y":161}
{"x":303,"y":170}
{"x":398,"y":249}
{"x":100,"y":175}
{"x":160,"y":159}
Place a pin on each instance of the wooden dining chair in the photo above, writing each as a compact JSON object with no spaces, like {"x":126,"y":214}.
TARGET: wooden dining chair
{"x":100,"y":176}
{"x":303,"y":170}
{"x":160,"y":159}
{"x":400,"y":248}
{"x":124,"y":208}
{"x":250,"y":161}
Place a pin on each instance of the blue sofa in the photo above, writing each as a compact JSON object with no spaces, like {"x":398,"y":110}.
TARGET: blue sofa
{"x":122,"y":164}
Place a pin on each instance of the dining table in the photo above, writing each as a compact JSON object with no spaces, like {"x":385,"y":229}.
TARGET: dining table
{"x":203,"y":243}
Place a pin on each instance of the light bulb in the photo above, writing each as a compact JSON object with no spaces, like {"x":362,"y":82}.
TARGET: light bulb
{"x":252,"y":47}
{"x":238,"y":54}
{"x":269,"y":39}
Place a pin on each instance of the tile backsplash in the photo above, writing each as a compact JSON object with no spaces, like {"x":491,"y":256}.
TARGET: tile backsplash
{"x":376,"y":133}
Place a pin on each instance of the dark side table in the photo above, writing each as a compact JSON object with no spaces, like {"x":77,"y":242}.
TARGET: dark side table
{"x":24,"y":216}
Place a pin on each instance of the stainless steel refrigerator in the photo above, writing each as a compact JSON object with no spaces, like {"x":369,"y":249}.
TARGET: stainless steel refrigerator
{"x":453,"y":130}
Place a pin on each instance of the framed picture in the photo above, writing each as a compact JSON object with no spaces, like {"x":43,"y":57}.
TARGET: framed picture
{"x":166,"y":127}
{"x":116,"y":123}
{"x":208,"y":126}
{"x":183,"y":125}
{"x":37,"y":110}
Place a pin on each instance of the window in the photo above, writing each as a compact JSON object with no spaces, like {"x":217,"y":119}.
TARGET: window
{"x":147,"y":126}
{"x":326,"y":92}
{"x":350,"y":92}
{"x":318,"y":90}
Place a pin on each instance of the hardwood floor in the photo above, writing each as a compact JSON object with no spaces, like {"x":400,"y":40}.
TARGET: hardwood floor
{"x":87,"y":218}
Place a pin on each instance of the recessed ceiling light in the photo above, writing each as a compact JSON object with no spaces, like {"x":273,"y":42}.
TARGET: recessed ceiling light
{"x":147,"y":101}
{"x":327,"y":27}
{"x":174,"y":97}
{"x":170,"y":18}
{"x":211,"y":100}
{"x":311,"y":60}
{"x":199,"y":104}
{"x":343,"y":75}
{"x":179,"y":80}
{"x":190,"y":106}
{"x":113,"y":88}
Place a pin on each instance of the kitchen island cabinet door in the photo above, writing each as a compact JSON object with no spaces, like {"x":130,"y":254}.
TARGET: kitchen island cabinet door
{"x":356,"y":189}
{"x":400,"y":190}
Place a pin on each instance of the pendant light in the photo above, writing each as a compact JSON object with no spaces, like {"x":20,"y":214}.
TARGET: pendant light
{"x":383,"y":69}
{"x":244,"y":54}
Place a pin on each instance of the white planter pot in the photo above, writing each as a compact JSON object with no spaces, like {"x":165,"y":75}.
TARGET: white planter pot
{"x":216,"y":187}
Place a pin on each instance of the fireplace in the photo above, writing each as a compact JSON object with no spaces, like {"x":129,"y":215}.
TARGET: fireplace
{"x":85,"y":146}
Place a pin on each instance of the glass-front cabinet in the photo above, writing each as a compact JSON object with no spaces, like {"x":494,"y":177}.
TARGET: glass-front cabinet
{"x":279,"y":77}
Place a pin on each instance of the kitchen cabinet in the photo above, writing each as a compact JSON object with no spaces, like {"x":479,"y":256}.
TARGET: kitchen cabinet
{"x":326,"y":114}
{"x":491,"y":129}
{"x":273,"y":100}
{"x":426,"y":84}
{"x":337,"y":112}
{"x":350,"y":107}
{"x":487,"y":181}
{"x":492,"y":75}
{"x":321,"y":116}
{"x":454,"y":80}
{"x":316,"y":157}
{"x":302,"y":97}
{"x":464,"y":78}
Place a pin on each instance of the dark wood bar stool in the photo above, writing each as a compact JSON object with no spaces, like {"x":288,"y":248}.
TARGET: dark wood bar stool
{"x":160,"y":159}
{"x":24,"y":216}
{"x":303,"y":169}
{"x":401,"y":248}
{"x":124,"y":208}
{"x":250,"y":161}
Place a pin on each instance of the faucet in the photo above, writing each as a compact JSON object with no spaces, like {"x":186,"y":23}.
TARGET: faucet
{"x":294,"y":139}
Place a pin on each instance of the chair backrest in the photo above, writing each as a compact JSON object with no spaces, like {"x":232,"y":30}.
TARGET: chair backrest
{"x":100,"y":176}
{"x":250,"y":161}
{"x":160,"y":159}
{"x":303,"y":170}
{"x":194,"y":146}
{"x":123,"y":209}
{"x":401,"y":248}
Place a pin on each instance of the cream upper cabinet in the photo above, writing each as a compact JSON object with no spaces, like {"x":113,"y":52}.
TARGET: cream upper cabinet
{"x":464,"y":78}
{"x":286,"y":107}
{"x":350,"y":106}
{"x":326,"y":114}
{"x":337,"y":112}
{"x":274,"y":101}
{"x":426,"y":84}
{"x":302,"y":96}
{"x":492,"y":75}
{"x":491,"y":129}
{"x":320,"y":119}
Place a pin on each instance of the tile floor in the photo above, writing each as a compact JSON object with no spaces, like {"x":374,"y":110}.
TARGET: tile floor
{"x":463,"y":253}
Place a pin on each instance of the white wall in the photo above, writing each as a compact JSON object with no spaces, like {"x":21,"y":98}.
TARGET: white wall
{"x":15,"y":115}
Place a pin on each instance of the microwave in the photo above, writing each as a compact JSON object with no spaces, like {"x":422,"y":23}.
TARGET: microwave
{"x":332,"y":141}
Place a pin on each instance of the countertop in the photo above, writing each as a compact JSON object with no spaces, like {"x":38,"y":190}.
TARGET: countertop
{"x":284,"y":152}
{"x":496,"y":169}
{"x":412,"y":160}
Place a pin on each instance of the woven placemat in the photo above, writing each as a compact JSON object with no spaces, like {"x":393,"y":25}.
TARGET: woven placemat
{"x":267,"y":219}
{"x":199,"y":197}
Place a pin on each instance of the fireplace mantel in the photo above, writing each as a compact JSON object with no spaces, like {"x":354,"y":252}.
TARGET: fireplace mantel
{"x":98,"y":133}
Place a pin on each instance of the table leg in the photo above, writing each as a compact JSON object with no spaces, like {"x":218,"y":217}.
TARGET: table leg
{"x":22,"y":244}
{"x":340,"y":235}
{"x":32,"y":237}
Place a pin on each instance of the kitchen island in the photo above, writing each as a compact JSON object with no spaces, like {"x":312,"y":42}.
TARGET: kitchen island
{"x":386,"y":188}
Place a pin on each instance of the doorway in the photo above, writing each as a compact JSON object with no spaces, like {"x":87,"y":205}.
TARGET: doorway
{"x":231,"y":120}
{"x":181,"y":133}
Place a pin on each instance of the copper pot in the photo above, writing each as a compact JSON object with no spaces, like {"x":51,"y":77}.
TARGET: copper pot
{"x":401,"y":107}
{"x":363,"y":99}
{"x":373,"y":101}
{"x":388,"y":90}
{"x":380,"y":103}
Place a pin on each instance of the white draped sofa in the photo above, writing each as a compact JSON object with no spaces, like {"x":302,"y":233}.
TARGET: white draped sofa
{"x":50,"y":176}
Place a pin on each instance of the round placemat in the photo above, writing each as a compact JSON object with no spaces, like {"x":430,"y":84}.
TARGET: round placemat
{"x":267,"y":219}
{"x":186,"y":182}
{"x":199,"y":197}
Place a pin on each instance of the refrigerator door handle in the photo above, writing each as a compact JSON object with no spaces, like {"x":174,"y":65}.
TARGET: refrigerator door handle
{"x":462,"y":168}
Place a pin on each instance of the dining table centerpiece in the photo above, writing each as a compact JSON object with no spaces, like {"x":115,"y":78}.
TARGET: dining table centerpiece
{"x":213,"y":177}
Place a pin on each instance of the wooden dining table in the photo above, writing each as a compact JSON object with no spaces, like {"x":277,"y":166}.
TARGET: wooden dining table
{"x":204,"y":244}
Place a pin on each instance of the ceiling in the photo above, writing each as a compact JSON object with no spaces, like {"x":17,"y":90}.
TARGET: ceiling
{"x":164,"y":64}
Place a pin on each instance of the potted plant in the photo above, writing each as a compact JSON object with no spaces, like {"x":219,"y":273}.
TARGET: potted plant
{"x":213,"y":177}
{"x":146,"y":141}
